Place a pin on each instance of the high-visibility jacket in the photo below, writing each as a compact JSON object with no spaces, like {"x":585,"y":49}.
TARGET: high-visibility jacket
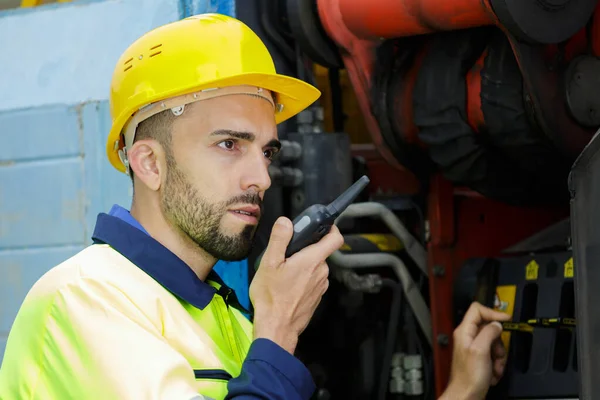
{"x":125,"y":318}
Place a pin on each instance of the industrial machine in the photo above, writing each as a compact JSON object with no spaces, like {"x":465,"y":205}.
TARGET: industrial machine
{"x":467,"y":116}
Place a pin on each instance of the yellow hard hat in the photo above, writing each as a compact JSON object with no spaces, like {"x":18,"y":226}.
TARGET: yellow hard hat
{"x":192,"y":56}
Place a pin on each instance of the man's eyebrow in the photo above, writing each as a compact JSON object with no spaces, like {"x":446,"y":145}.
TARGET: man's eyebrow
{"x":249,"y":136}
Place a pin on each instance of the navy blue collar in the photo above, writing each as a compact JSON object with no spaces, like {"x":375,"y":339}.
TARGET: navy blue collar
{"x":160,"y":263}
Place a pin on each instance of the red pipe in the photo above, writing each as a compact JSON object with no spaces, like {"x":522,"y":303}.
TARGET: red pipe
{"x":374,"y":19}
{"x":475,"y":116}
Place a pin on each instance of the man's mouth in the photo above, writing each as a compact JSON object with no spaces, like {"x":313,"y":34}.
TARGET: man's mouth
{"x":250,"y":211}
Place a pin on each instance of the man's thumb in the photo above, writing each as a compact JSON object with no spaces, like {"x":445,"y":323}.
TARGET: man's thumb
{"x":281,"y":234}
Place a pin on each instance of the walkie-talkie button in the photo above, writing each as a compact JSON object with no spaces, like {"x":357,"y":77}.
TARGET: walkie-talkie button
{"x":303,"y":223}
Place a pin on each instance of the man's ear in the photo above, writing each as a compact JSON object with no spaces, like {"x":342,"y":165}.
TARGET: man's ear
{"x":146,"y":159}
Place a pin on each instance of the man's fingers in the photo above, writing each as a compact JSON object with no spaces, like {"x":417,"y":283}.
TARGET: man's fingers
{"x":498,"y":350}
{"x":498,"y":366}
{"x":482,"y":344}
{"x":478,"y":313}
{"x":329,"y":243}
{"x":281,"y":234}
{"x":317,"y":252}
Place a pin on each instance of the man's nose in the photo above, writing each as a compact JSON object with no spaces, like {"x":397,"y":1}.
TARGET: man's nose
{"x":255,"y":173}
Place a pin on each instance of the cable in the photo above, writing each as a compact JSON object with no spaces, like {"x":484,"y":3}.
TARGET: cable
{"x":271,"y":31}
{"x":392,"y":333}
{"x":427,"y":369}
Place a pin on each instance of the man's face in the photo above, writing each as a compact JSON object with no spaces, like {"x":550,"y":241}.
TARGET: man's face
{"x":217,"y":172}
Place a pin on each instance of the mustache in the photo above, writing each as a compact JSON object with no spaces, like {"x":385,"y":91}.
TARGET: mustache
{"x":247,"y":198}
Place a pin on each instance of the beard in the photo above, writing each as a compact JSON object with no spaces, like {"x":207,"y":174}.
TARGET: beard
{"x":200,"y":219}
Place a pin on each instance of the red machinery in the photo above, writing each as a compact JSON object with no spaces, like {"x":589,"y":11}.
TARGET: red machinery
{"x":481,"y":105}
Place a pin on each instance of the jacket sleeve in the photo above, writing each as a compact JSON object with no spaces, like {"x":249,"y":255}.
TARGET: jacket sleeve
{"x":270,"y":372}
{"x":98,"y":344}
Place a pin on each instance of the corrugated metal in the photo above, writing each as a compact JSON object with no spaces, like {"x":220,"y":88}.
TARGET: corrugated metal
{"x":54,"y":119}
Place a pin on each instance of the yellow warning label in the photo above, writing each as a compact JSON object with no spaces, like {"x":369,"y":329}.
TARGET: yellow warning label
{"x":388,"y":243}
{"x":569,"y":268}
{"x":531,"y":271}
{"x":505,"y":302}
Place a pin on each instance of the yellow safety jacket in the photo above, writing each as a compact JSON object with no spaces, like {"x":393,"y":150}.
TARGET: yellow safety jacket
{"x":127,"y":319}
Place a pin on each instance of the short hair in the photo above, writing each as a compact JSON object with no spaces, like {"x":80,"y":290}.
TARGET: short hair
{"x":157,"y":127}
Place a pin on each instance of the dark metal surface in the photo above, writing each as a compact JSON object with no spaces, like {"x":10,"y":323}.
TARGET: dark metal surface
{"x":326,"y":166}
{"x":309,"y":34}
{"x":556,"y":235}
{"x":583,"y":90}
{"x":584,"y":184}
{"x":543,"y":21}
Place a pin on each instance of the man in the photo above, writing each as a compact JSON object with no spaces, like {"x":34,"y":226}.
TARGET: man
{"x":140,"y":314}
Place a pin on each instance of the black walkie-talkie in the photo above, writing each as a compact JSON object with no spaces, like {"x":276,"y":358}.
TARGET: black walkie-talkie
{"x":316,"y":221}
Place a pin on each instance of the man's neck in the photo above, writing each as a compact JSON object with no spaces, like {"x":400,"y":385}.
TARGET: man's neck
{"x":174,"y":239}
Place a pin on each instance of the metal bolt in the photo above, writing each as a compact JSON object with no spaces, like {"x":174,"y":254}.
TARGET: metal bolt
{"x":396,"y":385}
{"x":413,"y":388}
{"x":397,"y":359}
{"x":413,"y":375}
{"x":397,"y":372}
{"x":439,"y":270}
{"x":412,"y":362}
{"x":443,"y":339}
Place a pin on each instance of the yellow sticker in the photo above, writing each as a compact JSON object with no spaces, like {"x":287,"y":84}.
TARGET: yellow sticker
{"x":504,"y":301}
{"x":569,"y":268}
{"x":531,"y":271}
{"x":388,"y":243}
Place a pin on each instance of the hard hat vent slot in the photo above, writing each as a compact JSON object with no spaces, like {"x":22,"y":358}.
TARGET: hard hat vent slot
{"x":127,"y":67}
{"x":154,"y":51}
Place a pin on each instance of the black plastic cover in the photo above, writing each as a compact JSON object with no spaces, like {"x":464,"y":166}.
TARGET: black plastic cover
{"x":584,"y":184}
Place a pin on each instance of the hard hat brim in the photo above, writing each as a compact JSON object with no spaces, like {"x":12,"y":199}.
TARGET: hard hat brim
{"x":293,"y":94}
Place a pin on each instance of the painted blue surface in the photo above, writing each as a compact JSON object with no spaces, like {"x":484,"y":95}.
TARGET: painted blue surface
{"x":192,"y":7}
{"x":66,"y":53}
{"x":54,"y":175}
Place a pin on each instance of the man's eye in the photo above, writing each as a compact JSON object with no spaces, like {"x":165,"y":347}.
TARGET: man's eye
{"x":270,"y":154}
{"x":227,"y":144}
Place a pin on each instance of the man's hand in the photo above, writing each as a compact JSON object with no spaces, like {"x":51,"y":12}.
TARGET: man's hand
{"x":479,"y":356}
{"x":286,"y":293}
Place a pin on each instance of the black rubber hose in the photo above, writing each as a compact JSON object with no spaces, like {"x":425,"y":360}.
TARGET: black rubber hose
{"x":337,"y":104}
{"x":271,"y":31}
{"x":391,"y":337}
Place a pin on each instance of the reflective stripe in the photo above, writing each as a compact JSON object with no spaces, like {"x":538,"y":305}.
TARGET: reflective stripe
{"x":212,"y":374}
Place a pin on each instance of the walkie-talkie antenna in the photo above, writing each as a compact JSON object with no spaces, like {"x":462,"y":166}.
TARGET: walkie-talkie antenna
{"x":346,"y":198}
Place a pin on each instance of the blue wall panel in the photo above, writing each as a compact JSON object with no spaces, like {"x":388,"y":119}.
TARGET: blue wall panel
{"x":54,"y":175}
{"x":66,"y":53}
{"x":24,"y":131}
{"x":42,"y":203}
